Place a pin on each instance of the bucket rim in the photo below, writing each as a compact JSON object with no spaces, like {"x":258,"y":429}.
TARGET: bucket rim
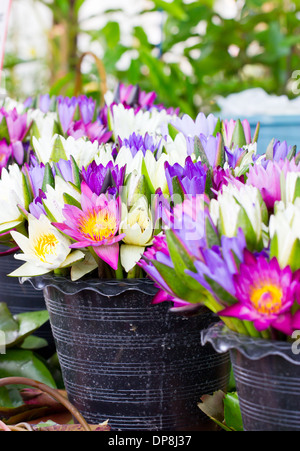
{"x":223,"y":340}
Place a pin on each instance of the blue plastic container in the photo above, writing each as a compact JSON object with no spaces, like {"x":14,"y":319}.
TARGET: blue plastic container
{"x":282,"y":128}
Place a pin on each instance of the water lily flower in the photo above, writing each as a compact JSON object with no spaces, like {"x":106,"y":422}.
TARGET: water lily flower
{"x":82,"y":150}
{"x":87,"y":106}
{"x":176,"y":149}
{"x":133,"y":96}
{"x":137,"y":226}
{"x":188,"y":180}
{"x":136,"y":143}
{"x":125,"y":122}
{"x":284,"y":233}
{"x":43,"y":147}
{"x":276,"y":181}
{"x":94,"y":131}
{"x":206,"y":126}
{"x":202,"y":125}
{"x":158,"y":254}
{"x":240,"y":207}
{"x":265,"y":294}
{"x":279,"y":150}
{"x":101,"y":178}
{"x":17,"y":130}
{"x":236,"y":133}
{"x":95,"y":225}
{"x":5,"y":154}
{"x":44,"y":250}
{"x":12,"y":195}
{"x":216,"y":268}
{"x":66,"y":108}
{"x":44,"y":103}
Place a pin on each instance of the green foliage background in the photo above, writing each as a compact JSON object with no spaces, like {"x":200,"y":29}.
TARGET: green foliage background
{"x":260,"y":47}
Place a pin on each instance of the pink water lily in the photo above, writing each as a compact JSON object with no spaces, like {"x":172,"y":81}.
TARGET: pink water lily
{"x":265,"y":294}
{"x":95,"y":224}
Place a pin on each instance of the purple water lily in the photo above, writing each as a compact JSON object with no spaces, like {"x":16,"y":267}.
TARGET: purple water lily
{"x":87,"y":106}
{"x":66,"y":108}
{"x":218,"y":266}
{"x":137,"y":143}
{"x":160,"y":253}
{"x":212,"y":145}
{"x":45,"y":103}
{"x":101,"y":179}
{"x":202,"y":125}
{"x":191,"y":178}
{"x":132,"y":97}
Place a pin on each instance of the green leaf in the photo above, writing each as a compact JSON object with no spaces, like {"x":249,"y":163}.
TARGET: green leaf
{"x":173,"y":132}
{"x":200,"y":152}
{"x":33,"y":342}
{"x":4,"y":133}
{"x":147,"y":177}
{"x":70,"y":200}
{"x":8,"y":325}
{"x":58,"y":152}
{"x":21,"y":363}
{"x":48,"y":178}
{"x":270,"y":150}
{"x":18,"y":327}
{"x":232,"y":412}
{"x":238,"y":137}
{"x":29,"y":322}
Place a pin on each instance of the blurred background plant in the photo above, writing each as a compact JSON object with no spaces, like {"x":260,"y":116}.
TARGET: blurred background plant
{"x":186,"y":50}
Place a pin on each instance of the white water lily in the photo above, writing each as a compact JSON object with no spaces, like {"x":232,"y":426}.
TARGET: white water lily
{"x":137,"y":224}
{"x":125,"y":122}
{"x":156,"y":170}
{"x":44,"y":250}
{"x":176,"y":149}
{"x":54,"y":201}
{"x":133,"y":163}
{"x":82,"y":150}
{"x":284,"y":229}
{"x":290,"y":187}
{"x":239,"y":207}
{"x":11,"y":195}
{"x":44,"y":124}
{"x":104,"y":155}
{"x":43,"y":147}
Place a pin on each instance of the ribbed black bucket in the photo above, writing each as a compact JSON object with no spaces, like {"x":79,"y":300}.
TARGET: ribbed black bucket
{"x":124,"y":360}
{"x":267,"y":376}
{"x":22,"y":298}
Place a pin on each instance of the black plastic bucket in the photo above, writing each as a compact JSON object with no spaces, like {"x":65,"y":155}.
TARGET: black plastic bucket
{"x":267,"y":376}
{"x":124,"y":360}
{"x":23,"y":298}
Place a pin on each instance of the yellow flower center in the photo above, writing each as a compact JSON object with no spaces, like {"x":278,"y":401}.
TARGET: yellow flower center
{"x":45,"y":245}
{"x":98,"y":225}
{"x":267,"y":299}
{"x":139,"y":217}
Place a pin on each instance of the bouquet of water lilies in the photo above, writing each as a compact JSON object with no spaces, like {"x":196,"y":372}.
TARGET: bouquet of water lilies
{"x":88,"y":194}
{"x":238,"y":253}
{"x":133,"y":189}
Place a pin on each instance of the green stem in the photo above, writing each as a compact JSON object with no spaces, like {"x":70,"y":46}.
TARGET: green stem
{"x":119,"y":271}
{"x":132,"y":273}
{"x":233,"y":324}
